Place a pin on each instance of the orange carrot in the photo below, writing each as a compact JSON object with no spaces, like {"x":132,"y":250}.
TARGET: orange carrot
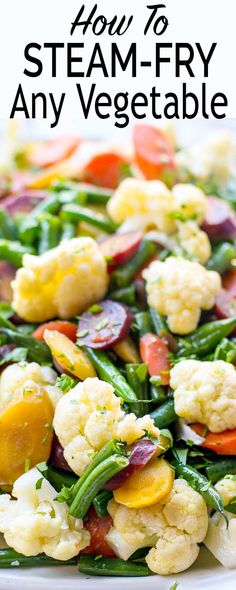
{"x":67,"y":328}
{"x":154,"y":352}
{"x":222,"y":443}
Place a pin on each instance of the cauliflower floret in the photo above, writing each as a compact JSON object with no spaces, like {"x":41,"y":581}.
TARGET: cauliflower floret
{"x":36,"y":523}
{"x":227,"y":488}
{"x":205,"y":392}
{"x":180,"y":289}
{"x":62,"y":282}
{"x":18,"y":377}
{"x":190,"y":201}
{"x":130,"y":428}
{"x":174,"y":552}
{"x":194,"y":241}
{"x":172,"y":528}
{"x":150,"y":201}
{"x":90,"y":415}
{"x":213,"y":158}
{"x":221,"y":539}
{"x":150,"y":205}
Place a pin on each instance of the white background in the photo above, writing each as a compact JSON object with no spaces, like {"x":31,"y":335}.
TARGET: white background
{"x":24,"y":21}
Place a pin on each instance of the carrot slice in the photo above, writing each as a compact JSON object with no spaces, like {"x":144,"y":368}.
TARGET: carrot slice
{"x":47,"y":153}
{"x":67,"y":357}
{"x":98,"y":529}
{"x":105,"y":169}
{"x":25,"y":433}
{"x":222,"y":443}
{"x":154,"y":352}
{"x":147,"y":486}
{"x":67,"y":328}
{"x":153,"y":152}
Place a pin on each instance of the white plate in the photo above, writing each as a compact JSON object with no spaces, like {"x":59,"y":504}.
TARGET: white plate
{"x":206,"y":574}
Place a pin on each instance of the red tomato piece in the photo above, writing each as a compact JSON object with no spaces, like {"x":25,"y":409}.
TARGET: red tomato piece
{"x":47,"y":153}
{"x":105,"y":169}
{"x":120,"y":248}
{"x":67,"y":328}
{"x":98,"y":529}
{"x":222,"y":443}
{"x":154,"y":154}
{"x":154,"y":352}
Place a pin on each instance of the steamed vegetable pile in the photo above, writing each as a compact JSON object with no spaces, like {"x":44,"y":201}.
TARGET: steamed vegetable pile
{"x":118,"y":354}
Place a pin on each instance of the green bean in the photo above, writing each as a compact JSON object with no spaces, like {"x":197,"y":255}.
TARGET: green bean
{"x":225,"y":351}
{"x":56,"y":477}
{"x":161,"y":329}
{"x":75,"y":213}
{"x":126,"y":295}
{"x":219,"y":469}
{"x":231,"y":507}
{"x":201,"y":484}
{"x":37,"y":351}
{"x":110,"y":448}
{"x":139,"y":385}
{"x":104,"y":566}
{"x":206,"y":338}
{"x":100,"y":503}
{"x":109,"y":372}
{"x":143,"y":322}
{"x":124,"y":275}
{"x":165,"y":414}
{"x":158,"y":394}
{"x":159,"y":323}
{"x":8,"y":228}
{"x":88,"y":489}
{"x":139,"y":554}
{"x":68,"y":230}
{"x":10,"y":558}
{"x":13,"y":252}
{"x":49,"y":233}
{"x":165,"y":441}
{"x":29,"y":228}
{"x":6,"y":323}
{"x":222,"y":257}
{"x":84,"y":193}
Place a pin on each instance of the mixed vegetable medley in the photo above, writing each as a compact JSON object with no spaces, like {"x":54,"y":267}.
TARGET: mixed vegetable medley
{"x":118,"y":354}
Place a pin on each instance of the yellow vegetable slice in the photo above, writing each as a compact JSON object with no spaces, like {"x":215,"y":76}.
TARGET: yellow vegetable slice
{"x":42,"y":180}
{"x":146,"y":487}
{"x":127,"y":351}
{"x":25,"y":433}
{"x":68,"y":357}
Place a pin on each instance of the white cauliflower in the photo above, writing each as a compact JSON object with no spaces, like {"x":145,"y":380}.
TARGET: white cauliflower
{"x":20,"y":376}
{"x":172,"y":528}
{"x":36,"y":523}
{"x":220,"y":539}
{"x":90,"y":415}
{"x":227,"y":488}
{"x":213,"y":159}
{"x":62,"y":282}
{"x":190,"y":201}
{"x":205,"y":392}
{"x":180,"y":289}
{"x":150,"y":205}
{"x":193,"y":241}
{"x":151,"y":201}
